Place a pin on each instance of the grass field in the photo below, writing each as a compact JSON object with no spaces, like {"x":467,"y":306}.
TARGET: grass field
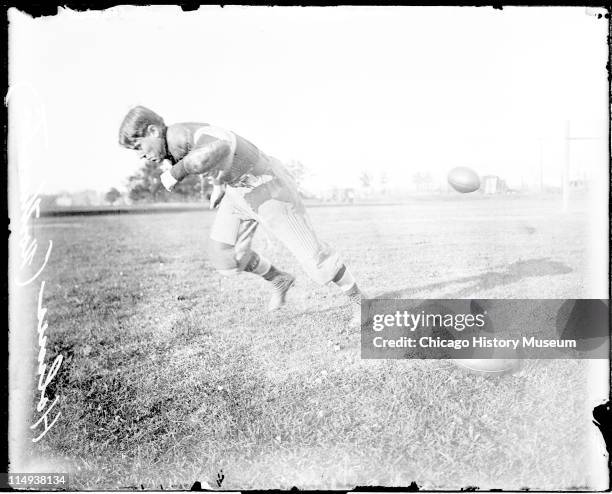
{"x":173,"y":374}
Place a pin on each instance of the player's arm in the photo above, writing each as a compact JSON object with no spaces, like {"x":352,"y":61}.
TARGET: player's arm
{"x":218,"y":190}
{"x":202,"y":159}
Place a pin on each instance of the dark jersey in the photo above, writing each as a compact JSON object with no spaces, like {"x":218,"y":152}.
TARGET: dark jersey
{"x":245,"y":160}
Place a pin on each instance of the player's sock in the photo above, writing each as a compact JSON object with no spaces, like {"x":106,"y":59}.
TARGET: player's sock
{"x":281,"y":281}
{"x":271,"y":273}
{"x":345,"y":281}
{"x":259,"y":265}
{"x":263,"y":267}
{"x":354,"y":293}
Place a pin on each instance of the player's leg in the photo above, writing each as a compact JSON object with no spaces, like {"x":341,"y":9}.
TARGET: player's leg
{"x":229,"y":250}
{"x":289,"y":221}
{"x":291,"y":225}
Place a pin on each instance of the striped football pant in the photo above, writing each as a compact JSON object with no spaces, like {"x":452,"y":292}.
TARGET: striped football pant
{"x":235,"y":224}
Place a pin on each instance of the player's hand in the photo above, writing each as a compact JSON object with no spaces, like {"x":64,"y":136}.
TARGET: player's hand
{"x":165,"y":166}
{"x":157,"y":182}
{"x":167,"y":180}
{"x":216,"y":195}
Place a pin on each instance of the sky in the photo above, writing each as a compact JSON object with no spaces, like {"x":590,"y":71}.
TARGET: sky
{"x":391,"y":90}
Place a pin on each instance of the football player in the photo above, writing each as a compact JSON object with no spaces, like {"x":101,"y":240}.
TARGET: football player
{"x":250,"y":188}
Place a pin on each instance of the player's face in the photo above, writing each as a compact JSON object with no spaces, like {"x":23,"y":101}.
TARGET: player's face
{"x":151,"y":147}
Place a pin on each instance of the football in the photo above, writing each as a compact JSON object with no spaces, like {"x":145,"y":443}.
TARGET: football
{"x":463,"y":179}
{"x":489,"y":367}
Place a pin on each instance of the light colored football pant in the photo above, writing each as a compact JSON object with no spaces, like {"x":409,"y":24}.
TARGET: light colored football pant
{"x":235,"y":224}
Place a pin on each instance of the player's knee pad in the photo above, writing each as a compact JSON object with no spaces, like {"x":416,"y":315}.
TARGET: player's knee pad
{"x":222,"y":257}
{"x":248,"y":261}
{"x":228,"y":261}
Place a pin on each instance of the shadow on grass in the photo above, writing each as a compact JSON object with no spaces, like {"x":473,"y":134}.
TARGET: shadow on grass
{"x":519,"y":270}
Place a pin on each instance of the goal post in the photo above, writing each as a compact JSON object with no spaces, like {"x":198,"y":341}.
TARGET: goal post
{"x":580,"y":162}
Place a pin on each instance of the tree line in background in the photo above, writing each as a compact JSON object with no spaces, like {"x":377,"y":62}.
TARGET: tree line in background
{"x":141,"y":184}
{"x":191,"y":188}
{"x":195,"y":188}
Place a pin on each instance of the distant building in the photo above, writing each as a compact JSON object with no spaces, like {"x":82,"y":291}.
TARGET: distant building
{"x":88,"y":198}
{"x":339,"y":194}
{"x":80,"y":198}
{"x":579,"y":179}
{"x":492,"y":184}
{"x":63,"y":200}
